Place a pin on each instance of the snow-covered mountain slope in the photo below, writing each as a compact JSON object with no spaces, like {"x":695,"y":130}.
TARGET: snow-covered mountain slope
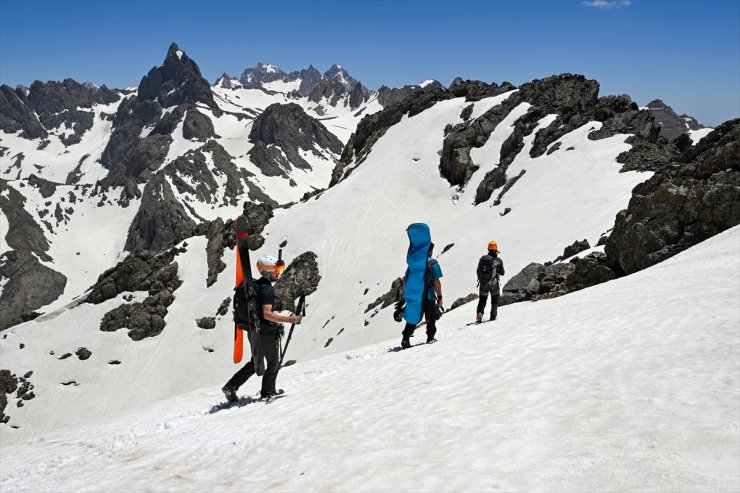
{"x":339,"y":118}
{"x":629,"y":385}
{"x":197,"y":139}
{"x":357,"y":231}
{"x":361,"y":244}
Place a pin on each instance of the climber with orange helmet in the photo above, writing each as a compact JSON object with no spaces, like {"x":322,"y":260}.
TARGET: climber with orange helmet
{"x":490,"y":267}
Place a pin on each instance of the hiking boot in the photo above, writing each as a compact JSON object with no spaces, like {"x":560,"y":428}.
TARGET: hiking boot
{"x":230,"y":393}
{"x":405,"y":343}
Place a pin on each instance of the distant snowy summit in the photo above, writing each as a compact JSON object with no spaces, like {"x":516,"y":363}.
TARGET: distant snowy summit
{"x":335,"y":85}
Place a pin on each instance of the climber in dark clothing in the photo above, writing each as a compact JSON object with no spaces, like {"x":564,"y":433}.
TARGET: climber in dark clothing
{"x":490,"y":267}
{"x":270,"y":331}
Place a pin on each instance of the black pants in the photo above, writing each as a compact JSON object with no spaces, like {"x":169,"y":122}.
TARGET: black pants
{"x":428,"y":308}
{"x":483,"y":297}
{"x":271,"y":349}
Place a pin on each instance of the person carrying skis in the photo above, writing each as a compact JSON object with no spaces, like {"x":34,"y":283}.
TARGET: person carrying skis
{"x":432,"y":304}
{"x":270,"y":331}
{"x":490,"y":267}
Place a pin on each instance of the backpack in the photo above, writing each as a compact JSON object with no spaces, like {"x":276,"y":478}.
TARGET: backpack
{"x":429,"y":276}
{"x":241,"y":305}
{"x":488,"y":271}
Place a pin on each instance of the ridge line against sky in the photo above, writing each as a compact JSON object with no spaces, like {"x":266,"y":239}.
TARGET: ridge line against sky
{"x":684,"y":52}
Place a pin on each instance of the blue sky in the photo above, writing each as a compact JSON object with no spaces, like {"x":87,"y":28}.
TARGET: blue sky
{"x":684,"y":52}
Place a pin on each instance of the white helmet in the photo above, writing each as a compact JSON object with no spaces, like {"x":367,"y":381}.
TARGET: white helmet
{"x":267,"y":264}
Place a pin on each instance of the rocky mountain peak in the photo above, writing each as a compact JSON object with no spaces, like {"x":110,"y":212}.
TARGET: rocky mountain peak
{"x":178,"y":80}
{"x":671,"y":124}
{"x":338,"y":74}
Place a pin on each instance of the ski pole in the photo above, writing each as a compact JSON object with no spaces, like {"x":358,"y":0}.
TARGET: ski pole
{"x":301,"y":310}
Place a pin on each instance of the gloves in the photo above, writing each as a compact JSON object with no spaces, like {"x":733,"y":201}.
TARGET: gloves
{"x":398,"y":312}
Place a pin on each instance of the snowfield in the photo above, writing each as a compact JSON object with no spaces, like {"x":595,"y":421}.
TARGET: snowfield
{"x":629,"y":385}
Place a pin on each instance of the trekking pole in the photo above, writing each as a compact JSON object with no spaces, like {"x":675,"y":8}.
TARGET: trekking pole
{"x":301,"y":310}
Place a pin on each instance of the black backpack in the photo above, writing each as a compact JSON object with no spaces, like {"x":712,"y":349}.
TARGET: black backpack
{"x":241,"y":305}
{"x":488,"y":270}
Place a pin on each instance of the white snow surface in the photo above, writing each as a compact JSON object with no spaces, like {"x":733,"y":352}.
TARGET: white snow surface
{"x":624,"y":386}
{"x":697,"y":135}
{"x":356,"y":229}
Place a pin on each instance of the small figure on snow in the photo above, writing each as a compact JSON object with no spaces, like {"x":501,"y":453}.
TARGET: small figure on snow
{"x":490,"y":267}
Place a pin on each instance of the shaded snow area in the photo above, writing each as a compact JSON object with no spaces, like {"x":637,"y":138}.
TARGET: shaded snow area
{"x":630,"y":385}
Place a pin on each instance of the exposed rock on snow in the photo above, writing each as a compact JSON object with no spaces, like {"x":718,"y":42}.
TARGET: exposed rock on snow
{"x":301,"y":277}
{"x":281,"y":132}
{"x":30,"y":285}
{"x":142,"y":272}
{"x":681,"y":205}
{"x":671,"y":124}
{"x":388,"y":96}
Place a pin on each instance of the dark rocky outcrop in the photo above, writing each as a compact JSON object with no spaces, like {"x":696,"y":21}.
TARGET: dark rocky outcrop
{"x":215,"y":250}
{"x":461,"y":301}
{"x":301,"y":277}
{"x":394,"y":294}
{"x":8,"y":385}
{"x":575,"y":100}
{"x":83,"y":353}
{"x":575,"y":248}
{"x":17,"y":113}
{"x":23,"y":233}
{"x":177,"y":82}
{"x":30,"y":285}
{"x":141,"y":272}
{"x":388,"y":96}
{"x":206,"y":323}
{"x":280,"y":132}
{"x":145,"y":319}
{"x":681,"y":205}
{"x":538,"y":281}
{"x":55,"y":103}
{"x":161,"y":220}
{"x":671,"y":124}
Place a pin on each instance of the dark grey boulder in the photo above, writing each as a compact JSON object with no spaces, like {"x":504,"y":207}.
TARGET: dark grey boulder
{"x":83,"y":353}
{"x":206,"y":323}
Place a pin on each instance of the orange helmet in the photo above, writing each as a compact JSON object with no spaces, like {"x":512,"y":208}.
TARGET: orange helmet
{"x":492,"y":245}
